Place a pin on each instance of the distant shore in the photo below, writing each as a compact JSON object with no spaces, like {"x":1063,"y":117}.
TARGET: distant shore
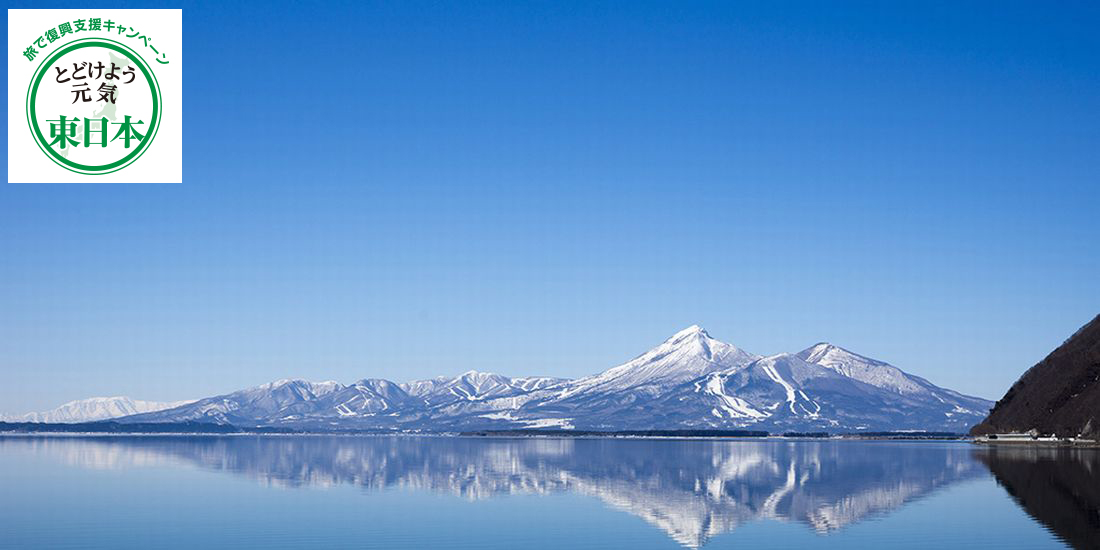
{"x":1030,"y":440}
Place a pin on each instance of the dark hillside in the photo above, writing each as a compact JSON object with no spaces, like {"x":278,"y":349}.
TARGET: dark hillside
{"x":1060,"y":395}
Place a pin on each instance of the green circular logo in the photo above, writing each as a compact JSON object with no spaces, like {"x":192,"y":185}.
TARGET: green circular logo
{"x":94,"y":106}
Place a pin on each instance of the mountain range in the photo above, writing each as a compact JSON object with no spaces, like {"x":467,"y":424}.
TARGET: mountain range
{"x":690,"y":381}
{"x":92,"y":409}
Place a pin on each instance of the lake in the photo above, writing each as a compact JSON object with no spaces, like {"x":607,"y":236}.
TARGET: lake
{"x":424,"y":492}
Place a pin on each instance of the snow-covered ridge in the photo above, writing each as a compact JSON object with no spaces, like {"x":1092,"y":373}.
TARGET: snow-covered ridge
{"x":689,"y":381}
{"x":687,"y":355}
{"x":93,"y":409}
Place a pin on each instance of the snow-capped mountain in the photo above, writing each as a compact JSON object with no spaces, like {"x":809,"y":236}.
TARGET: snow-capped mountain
{"x":785,"y":393}
{"x":271,"y":403}
{"x":93,"y":409}
{"x":864,"y":369}
{"x":687,"y":355}
{"x":690,"y":380}
{"x":890,"y":378}
{"x":368,"y":396}
{"x":469,"y":386}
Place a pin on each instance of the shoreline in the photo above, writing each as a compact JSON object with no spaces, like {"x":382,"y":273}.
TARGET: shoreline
{"x":1042,"y":443}
{"x":757,"y":438}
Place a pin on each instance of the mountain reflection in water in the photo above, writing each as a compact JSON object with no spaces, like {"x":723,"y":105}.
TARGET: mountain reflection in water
{"x":692,"y":489}
{"x":1058,"y":486}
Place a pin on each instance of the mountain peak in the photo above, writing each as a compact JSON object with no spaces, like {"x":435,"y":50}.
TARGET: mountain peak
{"x":476,"y":375}
{"x":282,"y":382}
{"x":372,"y":382}
{"x":824,"y":346}
{"x":692,"y":331}
{"x":862,"y":368}
{"x":822,"y":352}
{"x":317,"y":389}
{"x":693,"y":340}
{"x":687,"y":354}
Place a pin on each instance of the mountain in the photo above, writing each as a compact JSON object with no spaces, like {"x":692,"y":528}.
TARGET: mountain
{"x":687,"y":355}
{"x":864,"y":369}
{"x":690,"y":380}
{"x":625,"y":396}
{"x":367,"y":396}
{"x":786,"y":393}
{"x":694,"y":381}
{"x":95,"y":408}
{"x":474,"y":386}
{"x":921,"y":400}
{"x":273,"y":403}
{"x":1060,"y":395}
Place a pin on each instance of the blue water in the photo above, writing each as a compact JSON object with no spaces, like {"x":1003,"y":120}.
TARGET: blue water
{"x":433,"y":492}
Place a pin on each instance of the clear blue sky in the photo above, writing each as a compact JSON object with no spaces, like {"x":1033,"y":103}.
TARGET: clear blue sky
{"x":410,"y":189}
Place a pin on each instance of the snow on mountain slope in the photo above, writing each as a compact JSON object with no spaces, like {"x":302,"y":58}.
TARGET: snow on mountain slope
{"x":777,"y":384}
{"x":778,"y":393}
{"x":368,"y":396}
{"x":423,"y":388}
{"x":476,"y":386}
{"x":713,"y":386}
{"x":888,"y":377}
{"x":532,"y":383}
{"x":801,"y":396}
{"x":864,"y":369}
{"x":267,"y":403}
{"x":93,"y":409}
{"x":476,"y":398}
{"x":688,"y":354}
{"x":370,"y":403}
{"x":690,"y":380}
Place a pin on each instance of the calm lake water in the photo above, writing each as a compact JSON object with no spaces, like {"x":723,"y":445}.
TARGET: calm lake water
{"x":424,"y":492}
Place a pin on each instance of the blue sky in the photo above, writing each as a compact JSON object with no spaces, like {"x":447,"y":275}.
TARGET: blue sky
{"x":412,"y":189}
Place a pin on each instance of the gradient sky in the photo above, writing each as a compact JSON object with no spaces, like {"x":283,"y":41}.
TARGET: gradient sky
{"x":412,"y":189}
